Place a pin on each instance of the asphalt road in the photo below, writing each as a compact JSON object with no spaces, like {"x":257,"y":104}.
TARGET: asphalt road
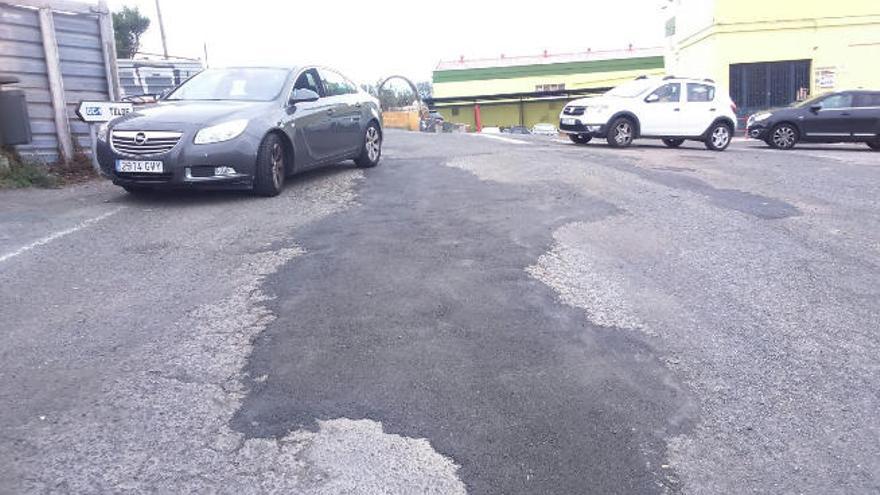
{"x":481,"y":315}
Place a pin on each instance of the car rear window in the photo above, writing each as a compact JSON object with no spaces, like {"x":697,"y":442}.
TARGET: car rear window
{"x":867,"y":100}
{"x":700,"y":92}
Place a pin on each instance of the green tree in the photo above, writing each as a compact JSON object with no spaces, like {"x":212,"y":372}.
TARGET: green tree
{"x":128,"y":26}
{"x":426,"y":89}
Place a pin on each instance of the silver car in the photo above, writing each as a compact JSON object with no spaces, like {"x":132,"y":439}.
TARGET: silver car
{"x":243,"y":128}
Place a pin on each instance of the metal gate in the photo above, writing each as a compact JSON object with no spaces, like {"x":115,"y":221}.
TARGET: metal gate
{"x":764,"y":85}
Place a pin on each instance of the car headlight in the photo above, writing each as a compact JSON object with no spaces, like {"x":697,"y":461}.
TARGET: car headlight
{"x":758,"y":117}
{"x":221,"y":132}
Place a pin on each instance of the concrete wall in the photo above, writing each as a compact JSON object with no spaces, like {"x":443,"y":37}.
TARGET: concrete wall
{"x":22,"y":56}
{"x":63,"y":52}
{"x":83,"y":71}
{"x":842,"y":37}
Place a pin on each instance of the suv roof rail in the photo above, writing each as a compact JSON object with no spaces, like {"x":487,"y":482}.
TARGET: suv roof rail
{"x":708,"y":80}
{"x":668,"y":78}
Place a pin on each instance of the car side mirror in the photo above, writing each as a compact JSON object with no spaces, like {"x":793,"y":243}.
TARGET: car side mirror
{"x":815,"y":108}
{"x":652,"y":98}
{"x":303,"y":95}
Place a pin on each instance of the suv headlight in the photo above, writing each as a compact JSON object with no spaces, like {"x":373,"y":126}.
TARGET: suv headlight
{"x":221,"y":132}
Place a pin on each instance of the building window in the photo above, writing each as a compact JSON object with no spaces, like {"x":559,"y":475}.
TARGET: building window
{"x":670,"y":27}
{"x":541,"y":88}
{"x":455,"y":111}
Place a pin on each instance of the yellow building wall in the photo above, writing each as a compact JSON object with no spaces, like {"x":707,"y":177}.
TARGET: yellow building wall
{"x":528,"y":84}
{"x":506,"y":114}
{"x":842,"y":36}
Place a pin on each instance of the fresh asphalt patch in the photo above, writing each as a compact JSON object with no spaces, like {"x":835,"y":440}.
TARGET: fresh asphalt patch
{"x":416,"y":310}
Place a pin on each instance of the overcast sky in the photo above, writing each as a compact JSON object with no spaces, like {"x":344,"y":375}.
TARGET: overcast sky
{"x":369,"y":39}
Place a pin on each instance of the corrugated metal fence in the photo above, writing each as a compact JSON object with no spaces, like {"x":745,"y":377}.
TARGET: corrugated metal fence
{"x":63,"y":52}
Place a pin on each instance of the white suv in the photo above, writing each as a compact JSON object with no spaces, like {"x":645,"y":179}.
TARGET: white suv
{"x":672,"y":109}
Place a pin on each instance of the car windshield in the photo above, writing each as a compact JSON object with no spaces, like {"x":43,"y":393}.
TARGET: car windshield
{"x":232,"y":84}
{"x":631,"y":89}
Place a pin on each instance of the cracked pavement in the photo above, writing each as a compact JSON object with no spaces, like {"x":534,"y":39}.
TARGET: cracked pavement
{"x":470,"y":316}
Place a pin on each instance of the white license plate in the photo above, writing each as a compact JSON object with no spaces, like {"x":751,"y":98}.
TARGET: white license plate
{"x":140,"y":167}
{"x":569,"y":121}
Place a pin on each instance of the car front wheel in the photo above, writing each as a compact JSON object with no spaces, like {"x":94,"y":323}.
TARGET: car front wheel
{"x":372,"y":148}
{"x":621,"y":133}
{"x":673,"y":143}
{"x":718,"y":137}
{"x":783,"y":137}
{"x":269,"y":174}
{"x":580,"y":138}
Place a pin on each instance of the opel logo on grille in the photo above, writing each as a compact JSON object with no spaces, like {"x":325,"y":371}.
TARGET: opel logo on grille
{"x":140,"y":139}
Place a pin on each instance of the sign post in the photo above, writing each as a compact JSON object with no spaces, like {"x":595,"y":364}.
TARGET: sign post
{"x":95,"y":113}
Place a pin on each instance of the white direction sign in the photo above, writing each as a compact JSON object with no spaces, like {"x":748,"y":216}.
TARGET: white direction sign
{"x":102,"y":111}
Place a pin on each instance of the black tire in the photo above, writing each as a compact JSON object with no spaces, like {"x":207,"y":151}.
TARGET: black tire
{"x":874,"y":145}
{"x":371,"y":152}
{"x":673,"y":142}
{"x":621,"y":132}
{"x":580,"y":138}
{"x":783,"y":136}
{"x":270,"y":170}
{"x":718,"y":137}
{"x":137,"y":190}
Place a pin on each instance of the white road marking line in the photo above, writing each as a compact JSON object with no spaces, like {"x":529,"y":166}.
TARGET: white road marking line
{"x":57,"y":235}
{"x":500,"y":138}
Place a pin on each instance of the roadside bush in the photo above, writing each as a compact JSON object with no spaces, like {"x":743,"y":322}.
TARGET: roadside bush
{"x":16,"y":172}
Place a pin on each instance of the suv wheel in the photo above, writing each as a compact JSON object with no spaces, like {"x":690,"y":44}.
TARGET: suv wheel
{"x":580,"y":138}
{"x":874,"y":145}
{"x":673,"y":143}
{"x":783,"y":137}
{"x":621,"y":133}
{"x":718,"y":137}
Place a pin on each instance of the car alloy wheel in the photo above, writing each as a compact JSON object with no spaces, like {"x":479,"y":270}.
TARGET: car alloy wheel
{"x":270,"y":168}
{"x":373,"y":143}
{"x":720,"y":137}
{"x":623,"y":134}
{"x":784,"y":137}
{"x":371,"y":151}
{"x":277,"y":159}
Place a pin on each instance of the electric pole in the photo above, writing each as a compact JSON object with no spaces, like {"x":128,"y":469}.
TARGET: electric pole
{"x":162,"y":29}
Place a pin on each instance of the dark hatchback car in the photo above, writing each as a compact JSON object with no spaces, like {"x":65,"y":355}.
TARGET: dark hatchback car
{"x":843,"y":117}
{"x":242,"y":128}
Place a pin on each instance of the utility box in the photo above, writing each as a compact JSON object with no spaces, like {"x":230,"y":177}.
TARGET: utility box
{"x":15,"y":124}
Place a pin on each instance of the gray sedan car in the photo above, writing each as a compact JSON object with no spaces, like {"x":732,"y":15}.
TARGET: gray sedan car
{"x":243,"y":128}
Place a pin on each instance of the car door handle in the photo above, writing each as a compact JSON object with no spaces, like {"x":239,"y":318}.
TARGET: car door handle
{"x":677,"y":109}
{"x":845,"y":114}
{"x":711,"y":109}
